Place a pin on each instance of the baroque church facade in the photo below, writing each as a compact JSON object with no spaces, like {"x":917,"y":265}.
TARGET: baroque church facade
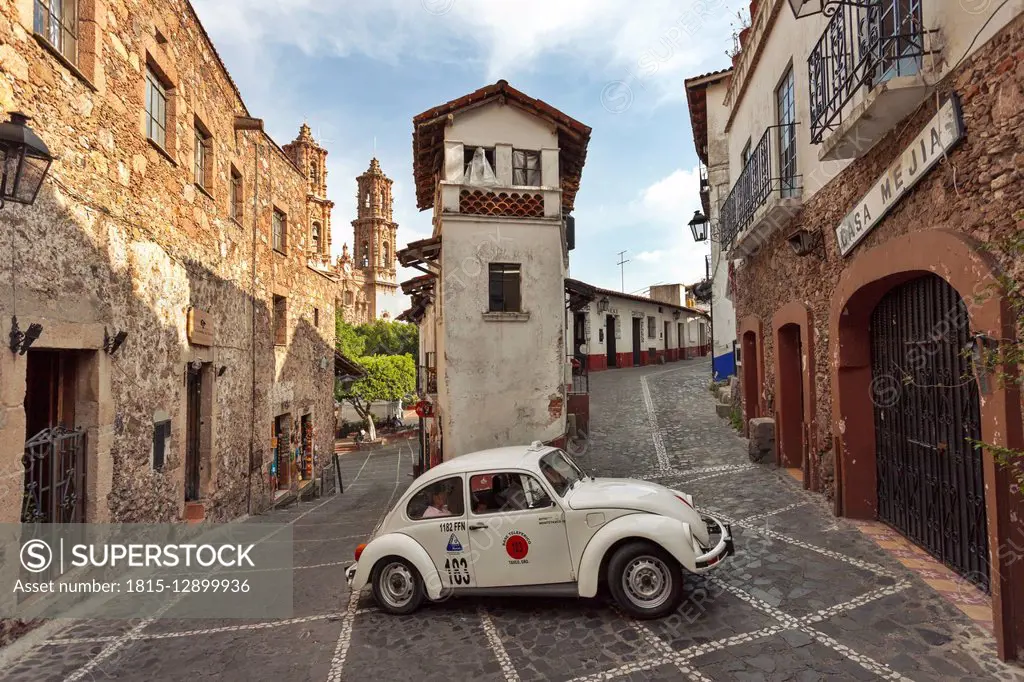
{"x":368,"y":273}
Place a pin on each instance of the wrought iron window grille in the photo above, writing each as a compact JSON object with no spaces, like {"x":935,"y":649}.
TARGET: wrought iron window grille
{"x":863,"y":45}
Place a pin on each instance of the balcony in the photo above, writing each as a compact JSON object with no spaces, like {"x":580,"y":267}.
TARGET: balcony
{"x":866,"y":74}
{"x":491,"y":190}
{"x":766,"y":196}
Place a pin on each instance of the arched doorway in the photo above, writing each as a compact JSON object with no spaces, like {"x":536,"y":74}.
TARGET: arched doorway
{"x":789,"y":382}
{"x":868,"y":278}
{"x":751,"y":369}
{"x":927,"y":414}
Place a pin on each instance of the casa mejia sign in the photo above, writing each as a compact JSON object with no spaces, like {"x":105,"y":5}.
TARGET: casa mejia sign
{"x":930,"y":146}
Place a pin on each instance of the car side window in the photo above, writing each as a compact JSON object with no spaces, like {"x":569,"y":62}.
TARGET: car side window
{"x":439,"y":499}
{"x":498,"y":492}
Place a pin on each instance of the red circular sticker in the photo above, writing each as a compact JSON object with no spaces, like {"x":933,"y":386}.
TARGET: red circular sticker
{"x":517,"y":546}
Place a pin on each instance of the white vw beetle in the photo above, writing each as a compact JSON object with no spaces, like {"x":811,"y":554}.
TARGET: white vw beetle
{"x":528,"y":521}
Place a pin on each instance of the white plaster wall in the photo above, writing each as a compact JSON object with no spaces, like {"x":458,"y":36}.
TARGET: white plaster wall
{"x":958,"y":27}
{"x":494,"y":124}
{"x":789,"y":42}
{"x":723,"y":313}
{"x":501,"y":376}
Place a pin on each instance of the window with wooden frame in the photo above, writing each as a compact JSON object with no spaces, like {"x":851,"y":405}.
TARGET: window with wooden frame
{"x":56,"y":21}
{"x":526,"y":168}
{"x":280,"y":321}
{"x":235,"y":196}
{"x":280,"y":230}
{"x":652,"y":328}
{"x":203,"y":171}
{"x":505,"y":288}
{"x":156,"y":109}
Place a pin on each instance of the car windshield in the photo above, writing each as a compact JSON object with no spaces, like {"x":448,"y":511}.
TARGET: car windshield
{"x":562,"y":473}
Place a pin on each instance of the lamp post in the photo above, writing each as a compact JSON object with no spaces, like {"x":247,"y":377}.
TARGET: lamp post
{"x":24,"y":161}
{"x":699,"y":227}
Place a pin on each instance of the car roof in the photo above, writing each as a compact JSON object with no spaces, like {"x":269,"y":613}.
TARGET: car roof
{"x":513,"y":457}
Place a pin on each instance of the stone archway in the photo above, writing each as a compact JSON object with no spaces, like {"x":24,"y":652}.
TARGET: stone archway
{"x":752,"y":371}
{"x":793,"y":333}
{"x":869,"y":277}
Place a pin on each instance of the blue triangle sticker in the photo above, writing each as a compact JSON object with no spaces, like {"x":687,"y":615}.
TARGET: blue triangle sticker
{"x":453,"y":543}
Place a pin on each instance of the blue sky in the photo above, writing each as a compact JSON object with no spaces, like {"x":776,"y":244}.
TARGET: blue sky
{"x":359,"y":71}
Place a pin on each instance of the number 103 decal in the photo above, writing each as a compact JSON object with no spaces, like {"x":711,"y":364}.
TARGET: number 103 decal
{"x":458,"y":571}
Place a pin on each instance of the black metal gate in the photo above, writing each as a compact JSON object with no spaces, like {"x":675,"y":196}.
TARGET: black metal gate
{"x":54,"y":477}
{"x":927,"y":419}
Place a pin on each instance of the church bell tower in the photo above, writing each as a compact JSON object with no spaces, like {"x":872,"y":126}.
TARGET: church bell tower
{"x":375,"y":232}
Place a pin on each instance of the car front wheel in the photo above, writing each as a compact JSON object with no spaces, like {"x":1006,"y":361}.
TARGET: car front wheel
{"x":645,"y":580}
{"x":397,"y":586}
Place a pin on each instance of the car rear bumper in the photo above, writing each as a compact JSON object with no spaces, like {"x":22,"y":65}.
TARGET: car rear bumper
{"x":722,"y":549}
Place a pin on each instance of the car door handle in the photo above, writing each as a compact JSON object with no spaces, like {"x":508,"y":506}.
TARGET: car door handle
{"x":477,"y":526}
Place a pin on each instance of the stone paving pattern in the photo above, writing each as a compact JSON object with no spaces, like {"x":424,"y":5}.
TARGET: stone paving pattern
{"x":807,"y":596}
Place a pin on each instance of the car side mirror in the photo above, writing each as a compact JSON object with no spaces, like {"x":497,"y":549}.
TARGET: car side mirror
{"x":543,"y":503}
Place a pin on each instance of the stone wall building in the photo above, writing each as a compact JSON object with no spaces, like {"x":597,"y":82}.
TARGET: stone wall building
{"x":874,"y":224}
{"x":178,"y":262}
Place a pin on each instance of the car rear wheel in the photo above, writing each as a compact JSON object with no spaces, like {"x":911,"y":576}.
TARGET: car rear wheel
{"x":397,"y":586}
{"x":645,"y":580}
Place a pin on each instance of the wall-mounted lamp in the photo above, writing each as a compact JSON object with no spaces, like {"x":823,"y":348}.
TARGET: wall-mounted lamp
{"x":112,"y":343}
{"x":807,"y":8}
{"x":699,"y":226}
{"x":22,"y":340}
{"x":676,"y":314}
{"x":196,"y":365}
{"x":24,"y":161}
{"x":803,"y":242}
{"x":603,"y":305}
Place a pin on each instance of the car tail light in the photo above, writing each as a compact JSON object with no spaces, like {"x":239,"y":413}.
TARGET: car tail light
{"x":683,"y":500}
{"x":359,"y":551}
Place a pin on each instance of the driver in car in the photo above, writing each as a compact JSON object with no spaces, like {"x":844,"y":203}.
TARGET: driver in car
{"x":554,"y":478}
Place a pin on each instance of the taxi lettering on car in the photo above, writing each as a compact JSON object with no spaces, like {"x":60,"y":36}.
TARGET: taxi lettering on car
{"x":527,"y":520}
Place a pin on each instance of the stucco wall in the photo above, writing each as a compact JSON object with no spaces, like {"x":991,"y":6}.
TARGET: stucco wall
{"x":502,"y":381}
{"x":121,"y":238}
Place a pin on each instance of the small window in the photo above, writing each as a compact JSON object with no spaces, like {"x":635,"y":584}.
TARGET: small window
{"x":349,"y":298}
{"x":316,"y":317}
{"x":280,"y":320}
{"x":366,"y":255}
{"x":57,"y":22}
{"x":235,"y":207}
{"x":203,"y":171}
{"x":438,"y":500}
{"x":314,"y":175}
{"x":156,"y":109}
{"x":504,"y":286}
{"x":469,"y":152}
{"x":652,"y":328}
{"x":280,"y":231}
{"x":316,"y":236}
{"x":385,"y":253}
{"x":526,"y":168}
{"x":161,"y":443}
{"x":506,"y":492}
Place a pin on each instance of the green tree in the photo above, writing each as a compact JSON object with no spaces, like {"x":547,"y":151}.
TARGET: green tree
{"x":386,"y":337}
{"x":388,"y":378}
{"x":349,"y":342}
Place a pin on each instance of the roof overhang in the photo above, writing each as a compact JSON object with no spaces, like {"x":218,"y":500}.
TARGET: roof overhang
{"x":420,"y":253}
{"x":579,"y":294}
{"x":429,"y":130}
{"x":346,"y":368}
{"x":696,"y":99}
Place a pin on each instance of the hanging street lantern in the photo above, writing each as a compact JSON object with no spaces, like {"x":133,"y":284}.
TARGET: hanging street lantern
{"x":24,"y":161}
{"x":807,"y":8}
{"x":699,"y":226}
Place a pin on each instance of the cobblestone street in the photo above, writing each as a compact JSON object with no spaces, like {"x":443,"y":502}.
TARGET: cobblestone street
{"x":806,"y":597}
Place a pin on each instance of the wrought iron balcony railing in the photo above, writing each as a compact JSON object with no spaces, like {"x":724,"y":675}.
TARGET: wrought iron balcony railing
{"x":861,"y":47}
{"x":770,"y":170}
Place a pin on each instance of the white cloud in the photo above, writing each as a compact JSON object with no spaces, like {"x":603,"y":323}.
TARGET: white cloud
{"x":650,"y":46}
